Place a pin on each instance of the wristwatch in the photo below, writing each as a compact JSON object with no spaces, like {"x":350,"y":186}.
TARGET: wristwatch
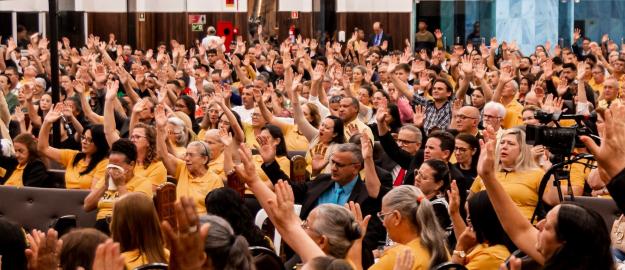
{"x":460,"y":253}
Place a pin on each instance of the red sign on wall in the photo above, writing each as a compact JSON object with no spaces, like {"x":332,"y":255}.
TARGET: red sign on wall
{"x":294,"y":15}
{"x":197,"y":19}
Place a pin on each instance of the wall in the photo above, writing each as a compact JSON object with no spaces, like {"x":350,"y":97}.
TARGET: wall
{"x":601,"y":17}
{"x":528,"y":22}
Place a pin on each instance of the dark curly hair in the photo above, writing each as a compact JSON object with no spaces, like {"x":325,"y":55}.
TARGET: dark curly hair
{"x":102,"y":149}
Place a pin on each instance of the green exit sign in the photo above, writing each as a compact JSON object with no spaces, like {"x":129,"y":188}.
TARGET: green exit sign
{"x":196,"y":27}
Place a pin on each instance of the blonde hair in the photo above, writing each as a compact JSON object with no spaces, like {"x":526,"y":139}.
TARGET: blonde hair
{"x":524,"y":161}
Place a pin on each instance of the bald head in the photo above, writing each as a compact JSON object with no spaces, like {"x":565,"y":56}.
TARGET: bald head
{"x":467,"y":119}
{"x":531,"y":99}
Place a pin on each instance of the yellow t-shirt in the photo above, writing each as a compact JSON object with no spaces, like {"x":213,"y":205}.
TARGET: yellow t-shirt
{"x":522,"y":187}
{"x":16,"y":177}
{"x":133,"y":259}
{"x":597,"y":87}
{"x":217,"y":166}
{"x":250,"y":137}
{"x":283,"y":162}
{"x":195,"y":187}
{"x":294,"y":140}
{"x":156,"y":172}
{"x":136,"y":184}
{"x":73,"y":179}
{"x":362,"y":128}
{"x":179,"y":151}
{"x":420,"y":253}
{"x":486,"y":257}
{"x":513,"y":115}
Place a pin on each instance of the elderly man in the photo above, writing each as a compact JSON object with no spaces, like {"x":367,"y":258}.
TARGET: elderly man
{"x":348,"y":112}
{"x":466,"y":120}
{"x":505,"y":94}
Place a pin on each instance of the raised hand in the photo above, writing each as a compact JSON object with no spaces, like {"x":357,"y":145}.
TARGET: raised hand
{"x":281,"y":208}
{"x":111,"y":89}
{"x":367,"y":146}
{"x":319,"y":157}
{"x":43,"y":253}
{"x":54,"y":115}
{"x":486,"y":163}
{"x":160,"y":116}
{"x":467,"y":65}
{"x":577,"y":34}
{"x":363,"y":222}
{"x":267,"y":151}
{"x":419,"y":116}
{"x":246,"y":170}
{"x":225,"y":137}
{"x":454,"y":198}
{"x":438,"y":34}
{"x":100,"y":73}
{"x":108,"y":257}
{"x":612,"y":142}
{"x":187,"y":246}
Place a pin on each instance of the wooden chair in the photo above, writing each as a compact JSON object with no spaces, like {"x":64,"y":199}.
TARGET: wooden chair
{"x":164,"y":200}
{"x":298,"y":169}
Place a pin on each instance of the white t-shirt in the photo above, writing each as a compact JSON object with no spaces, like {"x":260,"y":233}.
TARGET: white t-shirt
{"x":245,"y":114}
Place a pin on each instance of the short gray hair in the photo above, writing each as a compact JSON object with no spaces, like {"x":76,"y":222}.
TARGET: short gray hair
{"x":339,"y":226}
{"x":501,"y":110}
{"x":352,"y":148}
{"x":414,"y":129}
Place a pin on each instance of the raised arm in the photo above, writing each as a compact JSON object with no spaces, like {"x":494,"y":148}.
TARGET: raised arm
{"x":520,"y":230}
{"x":264,"y":111}
{"x":372,"y":181}
{"x":401,"y":86}
{"x":279,"y":208}
{"x":169,"y":160}
{"x":80,"y":88}
{"x":308,"y":130}
{"x":110,"y":130}
{"x":238,"y":135}
{"x":43,"y":144}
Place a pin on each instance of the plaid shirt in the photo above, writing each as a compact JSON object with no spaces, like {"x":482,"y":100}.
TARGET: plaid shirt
{"x":440,"y":118}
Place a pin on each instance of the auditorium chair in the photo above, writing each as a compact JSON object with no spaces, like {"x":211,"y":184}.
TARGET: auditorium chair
{"x":39,"y":208}
{"x":164,"y":200}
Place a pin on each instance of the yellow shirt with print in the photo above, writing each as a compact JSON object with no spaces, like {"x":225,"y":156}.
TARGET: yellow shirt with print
{"x":513,"y":115}
{"x":294,"y":140}
{"x":15,"y":179}
{"x":73,"y":179}
{"x":484,"y":256}
{"x":522,"y":187}
{"x":156,"y":173}
{"x":420,"y":254}
{"x":134,"y":259}
{"x":137,"y":183}
{"x":195,"y":187}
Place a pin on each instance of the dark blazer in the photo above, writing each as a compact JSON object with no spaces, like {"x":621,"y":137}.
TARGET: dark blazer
{"x":402,"y":158}
{"x":307,"y":194}
{"x":385,"y":37}
{"x":35,"y":173}
{"x":616,"y":187}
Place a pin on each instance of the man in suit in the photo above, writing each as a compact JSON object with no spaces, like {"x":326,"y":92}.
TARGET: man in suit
{"x":378,"y":37}
{"x":343,"y":185}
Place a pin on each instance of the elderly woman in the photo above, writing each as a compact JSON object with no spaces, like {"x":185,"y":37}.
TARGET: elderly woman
{"x":193,"y":176}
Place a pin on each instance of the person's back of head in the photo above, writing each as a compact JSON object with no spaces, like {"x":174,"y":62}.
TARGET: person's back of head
{"x":224,"y":249}
{"x":226,"y":203}
{"x":338,"y":226}
{"x":135,"y":226}
{"x":484,"y":220}
{"x":12,"y":245}
{"x":584,"y":238}
{"x":328,"y":263}
{"x":79,"y":248}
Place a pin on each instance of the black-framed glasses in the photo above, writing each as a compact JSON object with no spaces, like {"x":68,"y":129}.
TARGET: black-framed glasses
{"x":340,"y":165}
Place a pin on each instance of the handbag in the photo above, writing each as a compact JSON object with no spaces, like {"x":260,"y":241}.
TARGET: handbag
{"x":617,"y":234}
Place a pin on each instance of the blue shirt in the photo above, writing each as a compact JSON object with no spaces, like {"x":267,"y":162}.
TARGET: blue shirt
{"x":338,"y":194}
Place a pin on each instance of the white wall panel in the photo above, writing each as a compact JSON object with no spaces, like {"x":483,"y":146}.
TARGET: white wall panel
{"x":101,"y":6}
{"x":374,"y":6}
{"x":24,"y":5}
{"x":160,"y":6}
{"x":215,"y":6}
{"x":295,"y":5}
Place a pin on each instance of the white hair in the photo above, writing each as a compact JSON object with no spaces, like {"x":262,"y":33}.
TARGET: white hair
{"x":501,"y":110}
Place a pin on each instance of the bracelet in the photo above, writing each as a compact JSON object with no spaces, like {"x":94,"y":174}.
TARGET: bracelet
{"x":460,"y":253}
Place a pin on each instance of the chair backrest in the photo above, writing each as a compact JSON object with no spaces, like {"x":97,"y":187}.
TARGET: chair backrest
{"x":56,"y":178}
{"x":449,"y":266}
{"x":261,"y":216}
{"x":39,"y":208}
{"x":298,"y":169}
{"x":265,"y":258}
{"x":153,"y":266}
{"x":605,"y":207}
{"x":164,"y":199}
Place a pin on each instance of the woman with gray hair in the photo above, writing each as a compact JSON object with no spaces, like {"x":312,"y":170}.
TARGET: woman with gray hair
{"x":224,"y":249}
{"x":193,"y":177}
{"x":177,"y":135}
{"x":410,"y":222}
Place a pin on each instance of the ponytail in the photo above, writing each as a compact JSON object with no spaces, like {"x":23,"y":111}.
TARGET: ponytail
{"x":430,"y":232}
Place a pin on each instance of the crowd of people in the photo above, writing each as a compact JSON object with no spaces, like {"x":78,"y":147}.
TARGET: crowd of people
{"x":415,"y":158}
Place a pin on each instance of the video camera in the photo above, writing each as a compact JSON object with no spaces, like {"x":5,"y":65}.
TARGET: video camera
{"x":561,"y":140}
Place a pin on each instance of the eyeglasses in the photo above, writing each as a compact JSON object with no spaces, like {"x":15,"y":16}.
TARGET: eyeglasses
{"x":491,"y":117}
{"x":405,"y":141}
{"x":187,"y":154}
{"x":464,"y":117}
{"x":461,"y":149}
{"x":86,"y":139}
{"x":339,"y":165}
{"x":381,"y":215}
